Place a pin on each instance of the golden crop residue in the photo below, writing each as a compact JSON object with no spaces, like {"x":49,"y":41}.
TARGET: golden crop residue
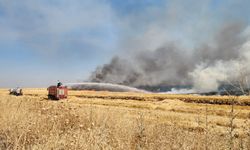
{"x":107,"y":120}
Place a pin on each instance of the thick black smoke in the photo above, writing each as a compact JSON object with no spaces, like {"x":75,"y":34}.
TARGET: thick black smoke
{"x":165,"y":65}
{"x":205,"y":67}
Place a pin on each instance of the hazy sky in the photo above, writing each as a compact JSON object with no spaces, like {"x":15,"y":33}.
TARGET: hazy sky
{"x":42,"y":41}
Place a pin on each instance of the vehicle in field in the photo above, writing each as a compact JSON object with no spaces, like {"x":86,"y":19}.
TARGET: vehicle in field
{"x":16,"y":91}
{"x":57,"y":92}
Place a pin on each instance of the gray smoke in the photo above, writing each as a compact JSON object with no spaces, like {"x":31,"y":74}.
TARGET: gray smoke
{"x":165,"y":65}
{"x":205,"y":67}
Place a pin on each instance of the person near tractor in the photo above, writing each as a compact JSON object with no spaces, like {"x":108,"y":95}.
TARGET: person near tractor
{"x":59,"y":84}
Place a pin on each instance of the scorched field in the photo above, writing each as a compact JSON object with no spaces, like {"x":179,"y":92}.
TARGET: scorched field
{"x":106,"y":120}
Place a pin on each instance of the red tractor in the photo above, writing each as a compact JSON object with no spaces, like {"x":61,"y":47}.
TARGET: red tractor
{"x":57,"y":92}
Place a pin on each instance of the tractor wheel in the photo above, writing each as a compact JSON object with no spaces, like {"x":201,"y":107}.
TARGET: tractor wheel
{"x":52,"y":97}
{"x":49,"y":97}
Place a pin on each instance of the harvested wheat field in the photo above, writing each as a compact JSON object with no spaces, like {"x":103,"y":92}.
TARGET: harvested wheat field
{"x":106,"y":120}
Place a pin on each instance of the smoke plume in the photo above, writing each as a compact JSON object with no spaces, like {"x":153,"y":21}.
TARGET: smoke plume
{"x":206,"y":66}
